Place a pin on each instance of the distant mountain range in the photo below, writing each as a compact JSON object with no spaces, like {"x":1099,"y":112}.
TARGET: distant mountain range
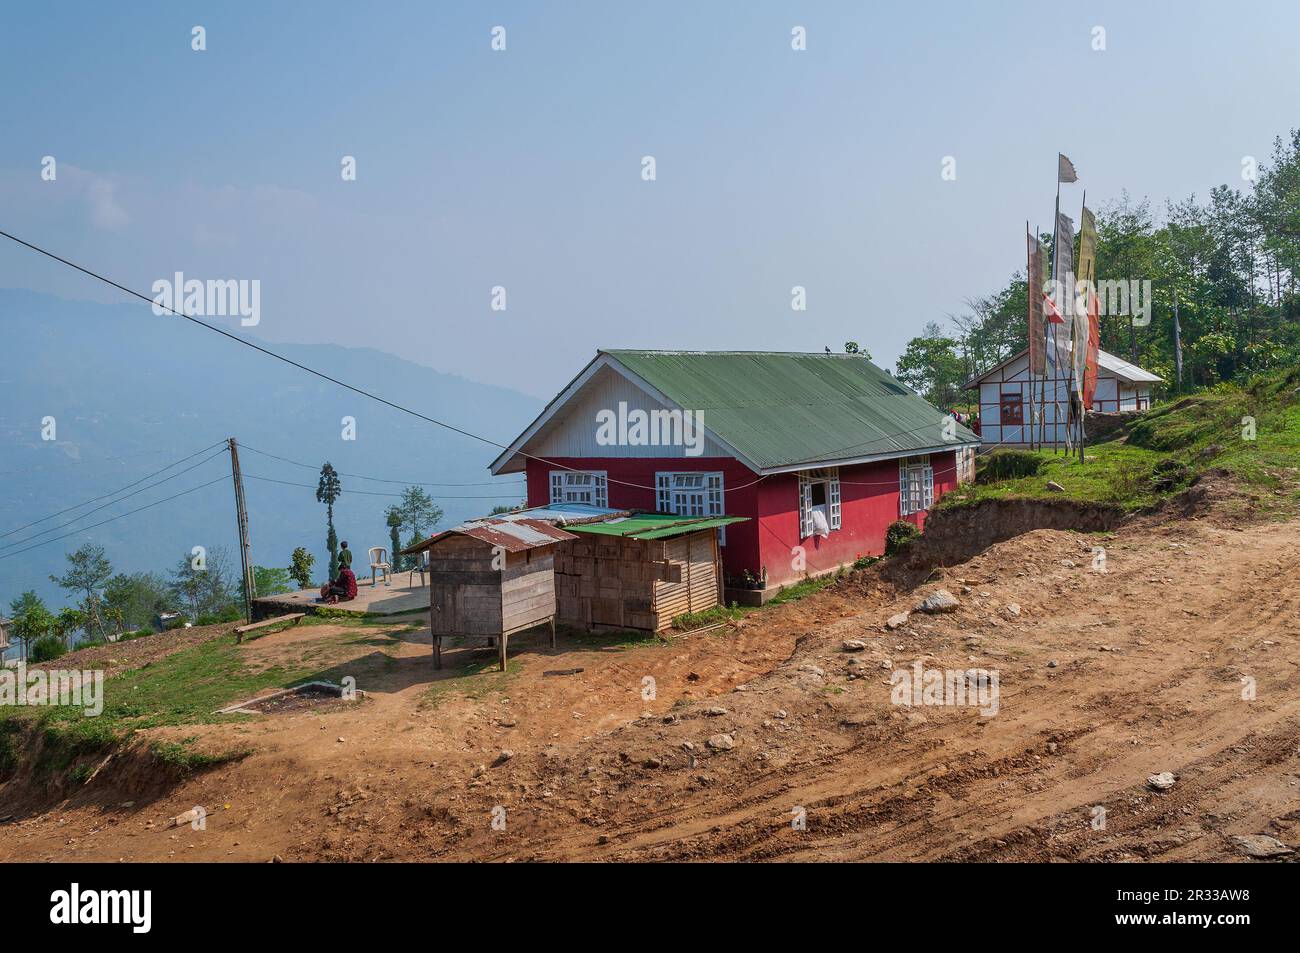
{"x":131,"y":392}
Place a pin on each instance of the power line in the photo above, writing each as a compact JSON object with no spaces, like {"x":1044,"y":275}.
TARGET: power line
{"x":66,"y":461}
{"x":496,"y":496}
{"x":112,"y":518}
{"x":356,"y":390}
{"x":358,"y":476}
{"x":102,"y":506}
{"x":95,"y":499}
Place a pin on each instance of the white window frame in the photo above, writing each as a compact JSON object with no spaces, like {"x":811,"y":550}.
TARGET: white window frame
{"x":568,"y":485}
{"x":831,"y":477}
{"x":915,"y":485}
{"x":673,"y":490}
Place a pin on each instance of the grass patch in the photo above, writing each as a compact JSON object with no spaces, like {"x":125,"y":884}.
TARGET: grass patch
{"x":181,"y":756}
{"x":474,"y":681}
{"x":1250,"y":431}
{"x":181,"y":689}
{"x":698,"y":620}
{"x":801,"y":590}
{"x":622,"y":639}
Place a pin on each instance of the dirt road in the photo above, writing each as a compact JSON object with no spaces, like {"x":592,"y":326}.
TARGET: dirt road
{"x":1180,"y":656}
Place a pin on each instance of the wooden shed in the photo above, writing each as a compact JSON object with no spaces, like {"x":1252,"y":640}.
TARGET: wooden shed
{"x":638,"y":571}
{"x":491,"y":578}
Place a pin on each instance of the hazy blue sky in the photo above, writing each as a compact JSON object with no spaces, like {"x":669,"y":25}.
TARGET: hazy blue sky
{"x":522,"y":168}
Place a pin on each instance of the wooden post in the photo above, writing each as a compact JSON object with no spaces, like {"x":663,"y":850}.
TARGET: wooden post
{"x":437,"y":651}
{"x":241,"y":518}
{"x":552,"y":634}
{"x":501,"y":644}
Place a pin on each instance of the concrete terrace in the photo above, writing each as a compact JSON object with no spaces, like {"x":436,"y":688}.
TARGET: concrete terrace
{"x":373,"y":600}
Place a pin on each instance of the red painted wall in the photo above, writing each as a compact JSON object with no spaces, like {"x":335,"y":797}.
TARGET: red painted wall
{"x":739,"y":494}
{"x":868,"y":504}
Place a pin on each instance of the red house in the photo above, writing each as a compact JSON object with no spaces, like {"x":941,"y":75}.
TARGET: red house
{"x":821,"y":451}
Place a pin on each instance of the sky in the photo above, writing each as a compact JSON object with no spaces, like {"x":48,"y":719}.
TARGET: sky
{"x":523,"y":168}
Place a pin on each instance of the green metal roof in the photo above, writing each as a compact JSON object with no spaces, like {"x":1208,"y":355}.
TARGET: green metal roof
{"x":653,"y":525}
{"x":781,"y":409}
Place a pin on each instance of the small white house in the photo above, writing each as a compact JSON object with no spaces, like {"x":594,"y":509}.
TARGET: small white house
{"x":1010,"y":401}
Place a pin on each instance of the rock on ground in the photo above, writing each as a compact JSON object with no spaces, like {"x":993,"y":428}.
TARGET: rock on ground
{"x":941,"y":600}
{"x":1261,"y":845}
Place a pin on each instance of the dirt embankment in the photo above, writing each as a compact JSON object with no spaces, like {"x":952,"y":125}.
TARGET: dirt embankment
{"x":957,"y":533}
{"x":1177,"y":651}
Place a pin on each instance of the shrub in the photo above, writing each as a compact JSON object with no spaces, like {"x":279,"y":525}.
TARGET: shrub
{"x":899,"y":534}
{"x":1010,"y":465}
{"x":46,"y":649}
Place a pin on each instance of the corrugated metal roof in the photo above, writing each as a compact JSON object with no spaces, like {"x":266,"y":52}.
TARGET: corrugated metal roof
{"x":563,"y":514}
{"x":512,"y":535}
{"x":1116,"y":365}
{"x":780,"y":409}
{"x":655,"y":525}
{"x":1122,"y":368}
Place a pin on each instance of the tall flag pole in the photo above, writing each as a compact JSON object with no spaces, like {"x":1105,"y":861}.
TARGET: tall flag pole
{"x":1062,"y":265}
{"x":1062,"y":255}
{"x":1034,"y":322}
{"x":1087,"y":332}
{"x":1043,"y":269}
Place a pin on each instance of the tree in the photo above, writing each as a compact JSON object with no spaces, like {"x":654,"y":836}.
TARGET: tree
{"x":206,"y":590}
{"x":419,"y":514}
{"x":136,"y":597}
{"x":300,"y":564}
{"x":68,"y":620}
{"x":269,"y":581}
{"x":930,"y":365}
{"x":88,"y":571}
{"x":393,"y":516}
{"x":327,"y":491}
{"x":31,"y":620}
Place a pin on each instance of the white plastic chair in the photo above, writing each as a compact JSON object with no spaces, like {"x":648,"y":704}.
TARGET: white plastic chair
{"x":379,"y":563}
{"x":421,"y":566}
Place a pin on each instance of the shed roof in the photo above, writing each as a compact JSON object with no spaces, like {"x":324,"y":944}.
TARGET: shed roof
{"x":655,"y":525}
{"x":512,"y":535}
{"x":777,"y":411}
{"x":1116,"y":365}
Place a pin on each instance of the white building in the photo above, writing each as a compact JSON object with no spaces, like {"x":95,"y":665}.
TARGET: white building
{"x":1010,"y":402}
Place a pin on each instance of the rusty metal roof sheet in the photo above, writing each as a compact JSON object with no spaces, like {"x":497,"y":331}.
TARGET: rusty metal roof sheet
{"x":512,"y":535}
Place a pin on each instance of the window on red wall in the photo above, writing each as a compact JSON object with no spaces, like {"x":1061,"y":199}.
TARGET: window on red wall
{"x":691,"y":494}
{"x":579,"y":486}
{"x":819,"y":492}
{"x":915,"y":485}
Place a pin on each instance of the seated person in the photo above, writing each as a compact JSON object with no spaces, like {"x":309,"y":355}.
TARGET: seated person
{"x":342,"y":589}
{"x":345,"y":555}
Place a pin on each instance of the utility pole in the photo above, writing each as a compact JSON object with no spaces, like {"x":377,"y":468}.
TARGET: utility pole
{"x":241,"y":517}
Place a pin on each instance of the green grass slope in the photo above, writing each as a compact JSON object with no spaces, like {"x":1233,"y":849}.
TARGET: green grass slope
{"x":1250,"y":433}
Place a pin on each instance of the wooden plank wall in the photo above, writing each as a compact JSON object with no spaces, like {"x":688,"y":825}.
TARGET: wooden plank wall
{"x":478,"y":599}
{"x":528,"y":588}
{"x":466,"y":587}
{"x":606,"y":583}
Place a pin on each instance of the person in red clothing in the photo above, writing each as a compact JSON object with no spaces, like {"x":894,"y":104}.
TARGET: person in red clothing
{"x":342,"y":589}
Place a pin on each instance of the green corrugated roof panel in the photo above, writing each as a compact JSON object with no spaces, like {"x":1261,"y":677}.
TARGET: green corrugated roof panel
{"x":780,"y":409}
{"x":654,"y":525}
